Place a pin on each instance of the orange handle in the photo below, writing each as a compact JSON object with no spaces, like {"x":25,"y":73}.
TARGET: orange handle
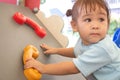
{"x":30,"y":73}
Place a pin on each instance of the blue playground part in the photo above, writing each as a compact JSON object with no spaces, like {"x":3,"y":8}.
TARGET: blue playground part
{"x":116,"y":37}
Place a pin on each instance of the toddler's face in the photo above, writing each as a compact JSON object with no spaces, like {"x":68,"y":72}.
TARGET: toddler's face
{"x":92,"y":25}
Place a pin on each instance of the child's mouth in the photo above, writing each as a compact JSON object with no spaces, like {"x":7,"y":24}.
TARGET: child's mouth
{"x":94,"y":34}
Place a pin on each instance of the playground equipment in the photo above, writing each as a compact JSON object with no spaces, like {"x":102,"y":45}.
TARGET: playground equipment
{"x":116,"y":37}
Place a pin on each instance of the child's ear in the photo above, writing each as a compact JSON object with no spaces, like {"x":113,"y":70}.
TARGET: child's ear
{"x":74,"y":26}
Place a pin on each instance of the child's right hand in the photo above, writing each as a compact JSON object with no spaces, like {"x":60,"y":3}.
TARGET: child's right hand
{"x":32,"y":63}
{"x":48,"y":50}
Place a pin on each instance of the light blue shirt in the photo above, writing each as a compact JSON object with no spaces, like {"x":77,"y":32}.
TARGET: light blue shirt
{"x":101,"y":59}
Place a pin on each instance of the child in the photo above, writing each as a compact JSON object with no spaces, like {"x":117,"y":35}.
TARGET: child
{"x":95,"y":53}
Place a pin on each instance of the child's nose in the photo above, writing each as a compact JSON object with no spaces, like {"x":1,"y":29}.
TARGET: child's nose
{"x":95,"y":27}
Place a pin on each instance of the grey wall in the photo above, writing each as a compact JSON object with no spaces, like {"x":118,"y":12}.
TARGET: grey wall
{"x":13,"y":39}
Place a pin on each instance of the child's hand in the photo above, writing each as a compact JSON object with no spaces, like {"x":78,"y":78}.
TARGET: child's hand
{"x":48,"y":50}
{"x":32,"y":63}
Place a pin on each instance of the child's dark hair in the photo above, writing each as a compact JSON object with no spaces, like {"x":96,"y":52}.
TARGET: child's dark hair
{"x":87,"y":4}
{"x":69,"y":12}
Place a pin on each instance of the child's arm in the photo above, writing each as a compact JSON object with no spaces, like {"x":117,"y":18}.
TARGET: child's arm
{"x":68,"y":52}
{"x":61,"y":68}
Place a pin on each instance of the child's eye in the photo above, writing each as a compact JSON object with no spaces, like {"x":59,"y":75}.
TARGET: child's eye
{"x":88,"y":20}
{"x":101,"y":19}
